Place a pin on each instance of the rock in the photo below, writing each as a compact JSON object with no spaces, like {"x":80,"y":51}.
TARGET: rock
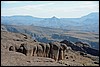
{"x":96,"y":62}
{"x":81,"y":46}
{"x":9,"y":57}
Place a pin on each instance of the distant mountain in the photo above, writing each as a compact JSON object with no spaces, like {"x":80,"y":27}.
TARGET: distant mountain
{"x":94,"y":15}
{"x":50,"y":22}
{"x":89,"y":22}
{"x":19,"y":20}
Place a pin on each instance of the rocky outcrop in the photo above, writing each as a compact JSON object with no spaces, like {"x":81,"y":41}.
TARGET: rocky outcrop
{"x":81,"y":46}
{"x":20,"y":49}
{"x":87,"y":48}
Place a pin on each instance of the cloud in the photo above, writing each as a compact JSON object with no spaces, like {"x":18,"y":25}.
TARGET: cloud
{"x":10,"y":2}
{"x":49,"y":9}
{"x":90,"y":2}
{"x":29,"y":7}
{"x":26,"y":10}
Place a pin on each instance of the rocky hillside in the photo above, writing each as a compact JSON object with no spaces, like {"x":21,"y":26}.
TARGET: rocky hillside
{"x":18,"y":49}
{"x":46,"y":35}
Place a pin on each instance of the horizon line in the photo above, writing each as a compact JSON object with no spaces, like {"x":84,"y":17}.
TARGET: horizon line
{"x":47,"y":17}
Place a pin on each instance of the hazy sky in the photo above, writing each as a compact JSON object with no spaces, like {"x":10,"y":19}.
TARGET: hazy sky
{"x":60,"y":9}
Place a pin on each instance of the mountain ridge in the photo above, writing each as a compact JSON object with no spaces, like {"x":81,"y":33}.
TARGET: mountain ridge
{"x":89,"y":22}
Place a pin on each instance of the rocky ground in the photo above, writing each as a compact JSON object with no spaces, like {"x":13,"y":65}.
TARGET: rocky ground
{"x":12,"y":58}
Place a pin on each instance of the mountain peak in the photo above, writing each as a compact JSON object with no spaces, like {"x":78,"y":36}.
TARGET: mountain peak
{"x":54,"y":17}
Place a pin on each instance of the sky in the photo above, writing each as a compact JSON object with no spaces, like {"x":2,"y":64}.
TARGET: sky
{"x":47,"y":9}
